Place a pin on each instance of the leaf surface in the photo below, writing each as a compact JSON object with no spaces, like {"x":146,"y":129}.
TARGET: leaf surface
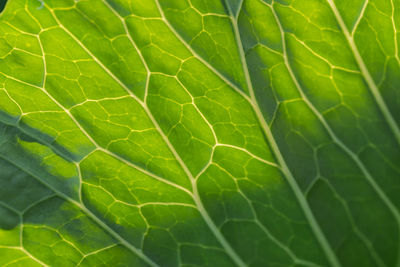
{"x":200,"y":133}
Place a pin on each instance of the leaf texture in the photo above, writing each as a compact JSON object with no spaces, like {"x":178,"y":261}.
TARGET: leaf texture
{"x":200,"y":133}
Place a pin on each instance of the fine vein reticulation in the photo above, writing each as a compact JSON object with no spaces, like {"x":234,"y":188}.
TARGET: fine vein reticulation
{"x":199,"y":133}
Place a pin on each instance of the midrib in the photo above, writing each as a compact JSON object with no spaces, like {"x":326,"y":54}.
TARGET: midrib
{"x":372,"y":86}
{"x":275,"y":148}
{"x":392,"y":208}
{"x":365,"y":73}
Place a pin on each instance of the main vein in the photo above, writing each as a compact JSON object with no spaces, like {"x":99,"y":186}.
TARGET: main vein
{"x":330,"y":131}
{"x":275,"y":148}
{"x":365,"y":72}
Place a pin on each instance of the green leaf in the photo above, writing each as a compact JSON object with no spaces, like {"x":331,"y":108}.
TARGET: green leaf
{"x":200,"y":133}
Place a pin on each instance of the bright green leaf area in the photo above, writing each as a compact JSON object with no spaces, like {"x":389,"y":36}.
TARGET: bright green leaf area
{"x":200,"y":133}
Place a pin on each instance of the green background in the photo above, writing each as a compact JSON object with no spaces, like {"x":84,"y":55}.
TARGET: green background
{"x":200,"y":133}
